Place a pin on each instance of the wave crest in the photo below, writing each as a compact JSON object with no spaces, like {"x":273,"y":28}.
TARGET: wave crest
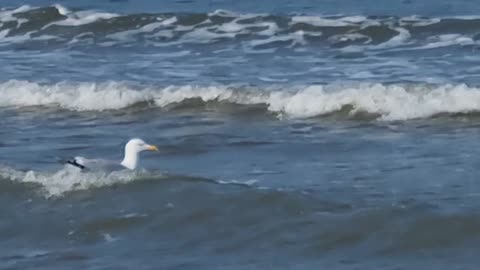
{"x":78,"y":97}
{"x":387,"y":102}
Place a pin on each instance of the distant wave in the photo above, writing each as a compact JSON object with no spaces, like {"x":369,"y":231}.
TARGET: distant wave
{"x":57,"y":25}
{"x":382,"y":102}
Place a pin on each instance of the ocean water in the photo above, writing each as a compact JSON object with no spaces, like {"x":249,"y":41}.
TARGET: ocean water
{"x":292,"y":134}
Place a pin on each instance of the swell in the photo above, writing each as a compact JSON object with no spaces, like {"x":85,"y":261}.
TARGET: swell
{"x":57,"y":26}
{"x":392,"y":102}
{"x":248,"y":219}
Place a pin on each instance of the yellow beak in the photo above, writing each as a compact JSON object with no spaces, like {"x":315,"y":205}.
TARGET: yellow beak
{"x":152,"y":148}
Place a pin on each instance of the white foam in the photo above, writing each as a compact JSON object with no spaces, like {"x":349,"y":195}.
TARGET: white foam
{"x":441,"y":41}
{"x":223,"y":13}
{"x":85,"y":17}
{"x":325,"y":22}
{"x":390,"y":102}
{"x":54,"y":184}
{"x":354,"y":19}
{"x":80,"y":17}
{"x":68,"y":179}
{"x":393,"y":102}
{"x":62,"y":10}
{"x":5,"y":39}
{"x":9,"y":15}
{"x":153,"y":26}
{"x":272,"y":28}
{"x":204,"y":35}
{"x":79,"y":97}
{"x":400,"y":39}
{"x":418,"y":21}
{"x":148,"y":28}
{"x":248,"y":183}
{"x":447,"y":40}
{"x":178,"y":94}
{"x":169,"y":21}
{"x":466,"y":17}
{"x":46,"y":37}
{"x":349,"y":37}
{"x":296,"y":38}
{"x":231,"y":27}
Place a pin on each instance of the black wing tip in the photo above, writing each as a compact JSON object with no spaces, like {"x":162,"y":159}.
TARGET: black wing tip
{"x":75,"y":163}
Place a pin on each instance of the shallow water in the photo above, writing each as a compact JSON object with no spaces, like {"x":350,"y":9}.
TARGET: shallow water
{"x":292,"y":135}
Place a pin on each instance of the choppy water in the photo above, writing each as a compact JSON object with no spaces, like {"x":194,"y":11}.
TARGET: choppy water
{"x":292,"y":135}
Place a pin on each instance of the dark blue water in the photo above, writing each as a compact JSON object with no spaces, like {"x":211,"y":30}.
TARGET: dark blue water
{"x":292,"y":135}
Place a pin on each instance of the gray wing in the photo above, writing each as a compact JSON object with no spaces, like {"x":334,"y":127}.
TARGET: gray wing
{"x":95,"y":164}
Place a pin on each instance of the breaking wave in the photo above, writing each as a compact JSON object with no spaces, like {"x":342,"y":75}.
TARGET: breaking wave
{"x":383,"y":102}
{"x":54,"y":184}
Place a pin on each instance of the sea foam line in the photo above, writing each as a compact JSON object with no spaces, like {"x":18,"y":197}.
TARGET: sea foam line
{"x":389,"y":102}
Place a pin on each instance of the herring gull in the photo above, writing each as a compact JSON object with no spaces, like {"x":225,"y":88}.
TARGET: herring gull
{"x":130,"y":160}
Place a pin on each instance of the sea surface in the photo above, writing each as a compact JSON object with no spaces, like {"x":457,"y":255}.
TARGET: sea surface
{"x":293,"y":134}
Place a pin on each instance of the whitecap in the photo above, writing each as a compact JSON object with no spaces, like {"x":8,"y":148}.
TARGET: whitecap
{"x":79,"y":97}
{"x":389,"y":102}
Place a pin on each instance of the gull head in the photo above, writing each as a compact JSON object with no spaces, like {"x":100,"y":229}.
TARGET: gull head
{"x":132,"y":149}
{"x":138,"y":145}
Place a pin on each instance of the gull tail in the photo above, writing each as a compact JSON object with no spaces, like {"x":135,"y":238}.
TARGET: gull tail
{"x":75,"y":163}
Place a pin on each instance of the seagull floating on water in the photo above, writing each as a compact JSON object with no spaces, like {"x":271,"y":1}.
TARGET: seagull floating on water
{"x":130,"y":160}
